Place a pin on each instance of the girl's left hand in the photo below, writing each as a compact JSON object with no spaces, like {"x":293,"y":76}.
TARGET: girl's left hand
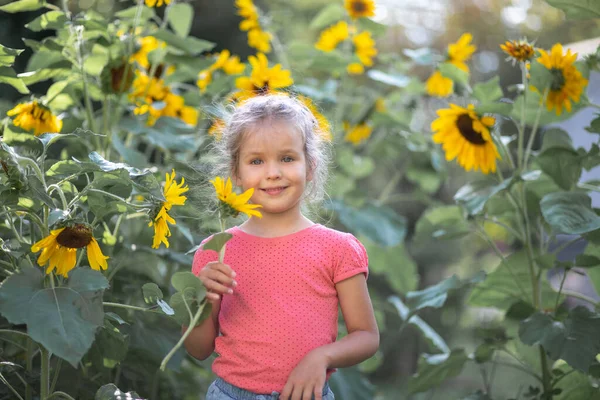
{"x":307,"y":379}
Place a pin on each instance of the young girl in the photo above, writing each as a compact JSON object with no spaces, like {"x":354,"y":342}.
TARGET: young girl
{"x":275,"y":298}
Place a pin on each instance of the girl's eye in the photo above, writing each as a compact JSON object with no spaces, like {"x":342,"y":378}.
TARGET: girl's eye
{"x":287,"y":159}
{"x":255,"y":161}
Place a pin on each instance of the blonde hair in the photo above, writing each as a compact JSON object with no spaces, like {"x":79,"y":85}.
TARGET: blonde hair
{"x":245,"y":117}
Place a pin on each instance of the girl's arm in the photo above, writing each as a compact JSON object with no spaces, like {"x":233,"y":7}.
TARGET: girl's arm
{"x":200,"y":343}
{"x":362,"y":341}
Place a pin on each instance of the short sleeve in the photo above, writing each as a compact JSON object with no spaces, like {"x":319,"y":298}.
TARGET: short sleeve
{"x":352,"y":258}
{"x":202,"y":257}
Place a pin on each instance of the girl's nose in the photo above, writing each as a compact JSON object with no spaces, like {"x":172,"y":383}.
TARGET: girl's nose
{"x":273,"y":171}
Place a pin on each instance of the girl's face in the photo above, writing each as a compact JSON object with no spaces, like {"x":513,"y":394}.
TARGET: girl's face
{"x":272,"y":161}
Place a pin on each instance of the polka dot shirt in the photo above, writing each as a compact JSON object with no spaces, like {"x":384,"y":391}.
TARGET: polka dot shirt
{"x":285,"y":303}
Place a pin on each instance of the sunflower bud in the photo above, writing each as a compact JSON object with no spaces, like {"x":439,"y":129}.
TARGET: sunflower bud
{"x":114,"y":79}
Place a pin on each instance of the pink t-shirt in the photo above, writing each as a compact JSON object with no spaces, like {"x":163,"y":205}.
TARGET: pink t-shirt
{"x":285,"y":304}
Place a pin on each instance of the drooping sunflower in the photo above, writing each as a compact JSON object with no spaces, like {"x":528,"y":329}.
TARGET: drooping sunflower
{"x":461,"y":51}
{"x":324,"y":129}
{"x":59,"y":249}
{"x":231,"y":203}
{"x":438,"y":85}
{"x":567,"y":84}
{"x":360,"y":8}
{"x":358,"y":133}
{"x":173,"y":193}
{"x":518,"y":50}
{"x":332,"y":36}
{"x":262,"y":79}
{"x":466,"y":136}
{"x":34,"y":116}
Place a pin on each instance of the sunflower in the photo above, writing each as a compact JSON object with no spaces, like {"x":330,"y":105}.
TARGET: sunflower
{"x":324,"y":129}
{"x":59,"y":249}
{"x":36,"y":117}
{"x":173,"y":192}
{"x":466,"y":136}
{"x":216,"y":128}
{"x":357,"y":134}
{"x":257,"y":38}
{"x":364,"y":48}
{"x":147,"y":44}
{"x":260,"y":40}
{"x":332,"y":36}
{"x":230,"y":203}
{"x":438,"y":85}
{"x":175,"y":107}
{"x":262,"y":79}
{"x":518,"y":50}
{"x":360,"y":8}
{"x":156,"y":3}
{"x":461,"y":51}
{"x":567,"y":83}
{"x":355,"y":69}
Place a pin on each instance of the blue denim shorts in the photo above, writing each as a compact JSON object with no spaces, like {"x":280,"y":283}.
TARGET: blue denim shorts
{"x":221,"y":390}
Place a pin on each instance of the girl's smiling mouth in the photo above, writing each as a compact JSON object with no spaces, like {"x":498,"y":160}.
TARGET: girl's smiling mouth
{"x":275,"y":190}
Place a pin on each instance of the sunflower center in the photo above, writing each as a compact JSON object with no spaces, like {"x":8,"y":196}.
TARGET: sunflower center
{"x":75,"y":237}
{"x":558,"y":79}
{"x":359,"y":6}
{"x":465,"y":126}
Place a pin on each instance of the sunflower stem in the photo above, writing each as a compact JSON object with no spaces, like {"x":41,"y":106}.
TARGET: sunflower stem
{"x":61,"y":194}
{"x":535,"y":128}
{"x":562,"y":282}
{"x":521,"y":126}
{"x":126,"y":306}
{"x":45,"y":373}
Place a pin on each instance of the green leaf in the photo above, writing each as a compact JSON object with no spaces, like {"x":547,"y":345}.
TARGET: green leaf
{"x":16,"y":292}
{"x":541,"y":77}
{"x":58,"y":69}
{"x":351,"y":384}
{"x":23,"y":5}
{"x":395,"y":264}
{"x":488,"y":92}
{"x":556,"y":137}
{"x":435,"y":296}
{"x":569,"y":213}
{"x":328,"y":15}
{"x":435,"y":369}
{"x":400,"y":81}
{"x":594,"y":275}
{"x":217,"y":241}
{"x":8,"y":76}
{"x":96,"y":60}
{"x":111,"y":392}
{"x":453,"y":72}
{"x":534,"y":104}
{"x":151,"y":293}
{"x":494,"y":108}
{"x":444,"y":222}
{"x":109,"y":348}
{"x":436,"y":342}
{"x":69,"y":167}
{"x":574,"y":340}
{"x":578,"y":9}
{"x":180,"y":17}
{"x":178,"y":303}
{"x":189,"y":45}
{"x":130,"y":13}
{"x":65,"y":319}
{"x":594,"y":125}
{"x":184,"y":280}
{"x":355,"y":165}
{"x":484,"y":352}
{"x":575,"y":385}
{"x":7,"y":55}
{"x":380,"y":224}
{"x":479,"y":395}
{"x":562,"y":165}
{"x":474,"y":195}
{"x":509,"y":283}
{"x":49,"y":20}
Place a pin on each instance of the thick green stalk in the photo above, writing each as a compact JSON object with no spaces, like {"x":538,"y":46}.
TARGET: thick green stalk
{"x":29,"y":367}
{"x":45,"y":374}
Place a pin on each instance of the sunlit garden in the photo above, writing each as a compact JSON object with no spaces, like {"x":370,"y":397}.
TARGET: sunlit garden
{"x":464,"y":146}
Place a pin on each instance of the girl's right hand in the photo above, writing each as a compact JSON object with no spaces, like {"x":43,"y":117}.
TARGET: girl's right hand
{"x":218,"y":280}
